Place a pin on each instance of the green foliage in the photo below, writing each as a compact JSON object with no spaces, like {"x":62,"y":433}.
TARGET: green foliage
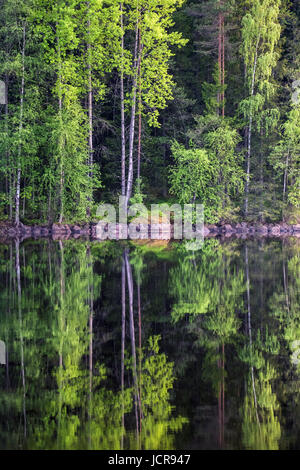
{"x":210,"y":170}
{"x":154,"y":20}
{"x":285,"y":157}
{"x":192,"y":175}
{"x":168,"y":53}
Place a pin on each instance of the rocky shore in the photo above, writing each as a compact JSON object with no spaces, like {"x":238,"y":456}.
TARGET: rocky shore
{"x":9,"y":231}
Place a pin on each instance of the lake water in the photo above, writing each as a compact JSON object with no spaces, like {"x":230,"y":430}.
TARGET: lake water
{"x":149,"y":346}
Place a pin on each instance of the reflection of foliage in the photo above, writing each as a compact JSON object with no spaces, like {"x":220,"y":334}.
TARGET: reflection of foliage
{"x":80,"y":411}
{"x":204,"y":285}
{"x":286,"y":303}
{"x":189,"y":286}
{"x":137,"y":261}
{"x":157,"y":378}
{"x":261,"y":427}
{"x":254,"y":354}
{"x":80,"y":417}
{"x":67,"y":406}
{"x":158,"y":427}
{"x":222,"y":323}
{"x":210,"y":291}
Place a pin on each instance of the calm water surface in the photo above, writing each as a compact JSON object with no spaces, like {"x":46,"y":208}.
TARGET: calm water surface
{"x":116,"y":346}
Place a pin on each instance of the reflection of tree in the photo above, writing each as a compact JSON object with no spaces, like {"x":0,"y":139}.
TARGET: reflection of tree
{"x":261,"y":428}
{"x":285,"y":306}
{"x":285,"y":302}
{"x":201,"y":284}
{"x":210,"y":291}
{"x":137,"y":262}
{"x":159,"y":426}
{"x":71,"y":402}
{"x":80,"y":395}
{"x":152,"y":379}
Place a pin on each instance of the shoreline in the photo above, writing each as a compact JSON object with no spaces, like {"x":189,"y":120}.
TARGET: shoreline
{"x":9,"y":231}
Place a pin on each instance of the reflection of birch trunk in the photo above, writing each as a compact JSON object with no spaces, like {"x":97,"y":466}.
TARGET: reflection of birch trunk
{"x":10,"y":275}
{"x":250,"y":329}
{"x":62,"y":293}
{"x":19,"y":298}
{"x":91,"y":309}
{"x":140,"y":352}
{"x":49,"y":262}
{"x":132,"y":336}
{"x":61,"y":320}
{"x":219,"y":404}
{"x":223,"y":394}
{"x":221,"y":398}
{"x":123,"y":344}
{"x":285,"y":282}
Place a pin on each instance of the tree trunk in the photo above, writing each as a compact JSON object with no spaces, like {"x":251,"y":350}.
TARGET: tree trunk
{"x":223,"y":67}
{"x":61,"y":163}
{"x":132,"y":121}
{"x":8,"y":184}
{"x":18,"y":182}
{"x":123,"y":139}
{"x":90,"y":102}
{"x":250,"y":134}
{"x":132,"y":336}
{"x":285,"y":176}
{"x":140,"y":114}
{"x":250,"y":330}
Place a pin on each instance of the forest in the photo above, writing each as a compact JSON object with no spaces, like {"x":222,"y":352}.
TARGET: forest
{"x":149,"y":343}
{"x":155,"y":100}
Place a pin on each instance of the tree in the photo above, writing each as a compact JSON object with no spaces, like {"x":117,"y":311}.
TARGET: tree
{"x":286,"y":158}
{"x":146,"y":65}
{"x":57,"y":26}
{"x":260,"y":34}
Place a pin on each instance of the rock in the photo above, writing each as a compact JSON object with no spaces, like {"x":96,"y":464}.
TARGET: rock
{"x":275,"y":230}
{"x":244,"y":227}
{"x":213,"y":228}
{"x":67,"y":229}
{"x":37,"y":231}
{"x":75,"y":229}
{"x":86,"y":229}
{"x":262,"y":230}
{"x":56,"y":228}
{"x":284,"y":228}
{"x":227,"y":228}
{"x":206,"y":231}
{"x":228,"y":234}
{"x":238,"y":228}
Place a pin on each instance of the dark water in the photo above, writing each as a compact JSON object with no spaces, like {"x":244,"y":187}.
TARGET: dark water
{"x":115,"y":346}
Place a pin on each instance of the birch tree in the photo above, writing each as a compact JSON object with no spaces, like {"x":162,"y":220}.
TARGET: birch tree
{"x":260,"y":35}
{"x":146,"y":42}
